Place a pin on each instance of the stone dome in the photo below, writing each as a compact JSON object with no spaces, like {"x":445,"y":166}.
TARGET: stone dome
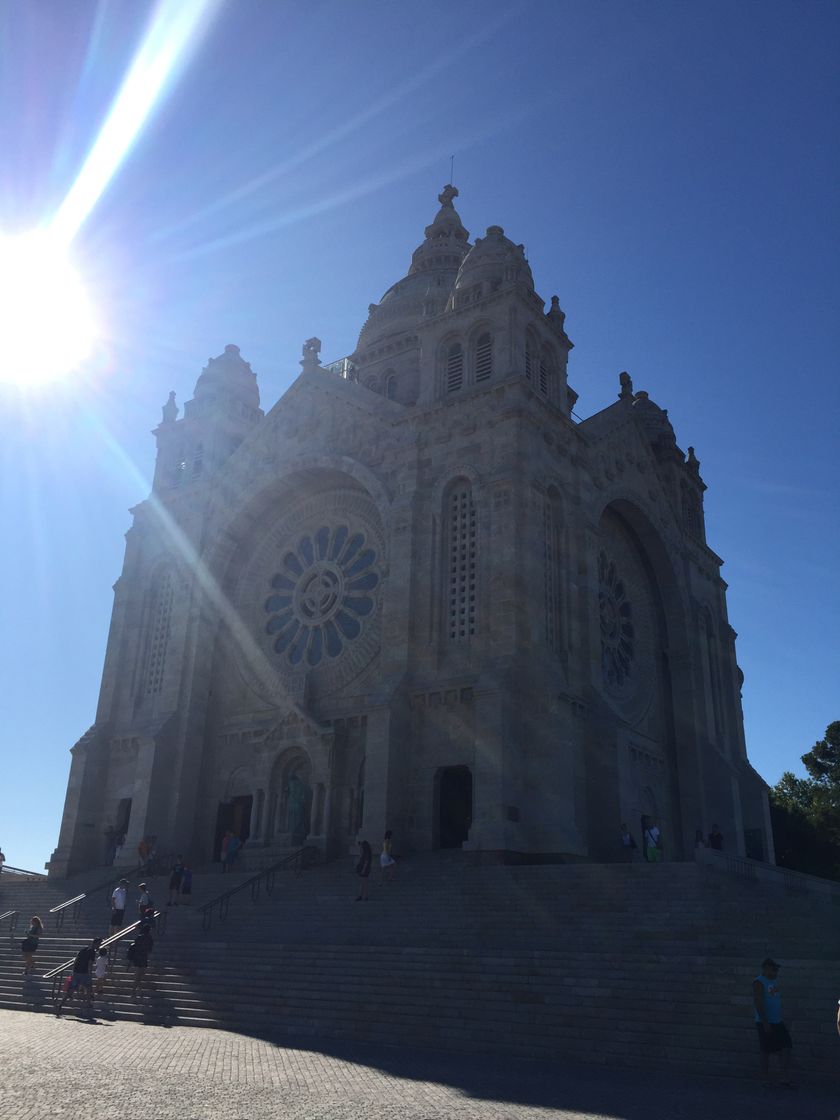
{"x":494,"y":261}
{"x":426,"y":288}
{"x":227,"y":377}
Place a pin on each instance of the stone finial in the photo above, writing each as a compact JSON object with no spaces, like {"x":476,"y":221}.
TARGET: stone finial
{"x":170,"y":410}
{"x":311,"y":354}
{"x":555,"y":313}
{"x":626,"y":383}
{"x":693,"y":462}
{"x":447,"y":195}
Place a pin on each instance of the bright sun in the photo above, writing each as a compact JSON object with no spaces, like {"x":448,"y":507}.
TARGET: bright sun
{"x":47,"y":325}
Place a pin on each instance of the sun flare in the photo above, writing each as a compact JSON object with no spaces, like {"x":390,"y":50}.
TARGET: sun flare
{"x":47,"y":324}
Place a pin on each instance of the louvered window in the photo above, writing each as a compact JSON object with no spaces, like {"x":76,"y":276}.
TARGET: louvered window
{"x":461,"y":573}
{"x":484,"y":358}
{"x":159,"y":627}
{"x":454,"y":368}
{"x":543,"y":376}
{"x":529,"y":361}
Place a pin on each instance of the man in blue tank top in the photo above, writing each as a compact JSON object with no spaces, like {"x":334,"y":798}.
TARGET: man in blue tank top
{"x":773,"y":1037}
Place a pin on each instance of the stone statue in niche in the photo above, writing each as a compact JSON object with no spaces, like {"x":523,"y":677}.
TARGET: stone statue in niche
{"x":298,"y":806}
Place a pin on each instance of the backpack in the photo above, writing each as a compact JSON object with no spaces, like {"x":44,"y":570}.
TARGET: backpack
{"x":129,"y":953}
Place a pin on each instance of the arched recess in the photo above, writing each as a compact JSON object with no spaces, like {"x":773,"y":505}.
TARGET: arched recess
{"x":291,"y":798}
{"x":641,"y":669}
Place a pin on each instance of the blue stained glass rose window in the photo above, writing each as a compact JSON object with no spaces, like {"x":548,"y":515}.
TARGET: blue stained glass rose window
{"x":321,"y":596}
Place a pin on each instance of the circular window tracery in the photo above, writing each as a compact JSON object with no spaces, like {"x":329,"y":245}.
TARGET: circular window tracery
{"x":617,"y":630}
{"x":322,"y":595}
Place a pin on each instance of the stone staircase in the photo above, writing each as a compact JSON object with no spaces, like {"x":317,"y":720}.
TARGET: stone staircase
{"x":611,"y":964}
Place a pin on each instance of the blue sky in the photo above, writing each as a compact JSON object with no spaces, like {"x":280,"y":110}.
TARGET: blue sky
{"x":671,"y":168}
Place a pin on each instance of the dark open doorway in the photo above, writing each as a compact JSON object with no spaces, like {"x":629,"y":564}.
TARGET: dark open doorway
{"x":454,"y":806}
{"x":233,"y":816}
{"x":123,"y":817}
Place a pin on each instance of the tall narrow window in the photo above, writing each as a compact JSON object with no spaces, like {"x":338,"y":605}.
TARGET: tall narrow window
{"x":551,"y":537}
{"x":484,"y":358}
{"x":712,"y":678}
{"x":454,"y":368}
{"x":529,"y":360}
{"x":198,"y":460}
{"x":461,"y":564}
{"x":390,"y":387}
{"x":160,"y":619}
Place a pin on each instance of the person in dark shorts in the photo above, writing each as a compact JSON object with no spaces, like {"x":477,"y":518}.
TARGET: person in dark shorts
{"x":176,"y":876}
{"x":81,"y":979}
{"x":29,"y":945}
{"x":773,"y":1036}
{"x":186,"y":885}
{"x":139,"y":951}
{"x":363,"y":869}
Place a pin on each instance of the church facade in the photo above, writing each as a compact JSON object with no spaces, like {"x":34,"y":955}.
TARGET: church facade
{"x":419,"y":594}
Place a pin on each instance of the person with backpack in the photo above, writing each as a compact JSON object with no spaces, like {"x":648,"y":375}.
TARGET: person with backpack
{"x":138,"y":957}
{"x":81,"y":978}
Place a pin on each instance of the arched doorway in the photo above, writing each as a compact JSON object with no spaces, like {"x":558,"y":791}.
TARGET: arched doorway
{"x":454,"y":797}
{"x":234,"y":813}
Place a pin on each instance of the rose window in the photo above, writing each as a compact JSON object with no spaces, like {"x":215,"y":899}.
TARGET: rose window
{"x":616,"y":616}
{"x":323,"y":594}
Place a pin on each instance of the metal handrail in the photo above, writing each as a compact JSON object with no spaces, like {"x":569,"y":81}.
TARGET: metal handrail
{"x":139,"y":871}
{"x":8,"y":870}
{"x":107,"y":943}
{"x":12,"y":916}
{"x":254,"y":884}
{"x":61,"y":910}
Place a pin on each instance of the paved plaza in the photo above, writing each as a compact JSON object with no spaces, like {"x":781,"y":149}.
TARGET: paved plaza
{"x":114,"y":1070}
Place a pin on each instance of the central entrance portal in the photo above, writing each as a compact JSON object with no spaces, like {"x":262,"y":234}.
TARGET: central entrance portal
{"x":454,"y":806}
{"x":233,"y":816}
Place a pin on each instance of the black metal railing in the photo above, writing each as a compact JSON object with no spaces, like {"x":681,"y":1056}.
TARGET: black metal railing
{"x":109,"y":943}
{"x":7,"y":870}
{"x":263,"y":880}
{"x":73,"y":906}
{"x":11,"y":916}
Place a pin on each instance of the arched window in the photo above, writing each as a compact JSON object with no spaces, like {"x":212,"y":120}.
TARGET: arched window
{"x":530,"y":360}
{"x":545,"y":372}
{"x":484,"y":357}
{"x":454,"y":368}
{"x":390,"y":386}
{"x":460,"y":545}
{"x":711,"y":674}
{"x":553,"y":602}
{"x":160,"y":619}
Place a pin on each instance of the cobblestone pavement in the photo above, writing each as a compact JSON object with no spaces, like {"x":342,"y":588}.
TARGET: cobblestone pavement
{"x":102,"y":1070}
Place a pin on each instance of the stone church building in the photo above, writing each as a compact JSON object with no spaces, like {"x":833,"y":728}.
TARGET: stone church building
{"x":421,"y":594}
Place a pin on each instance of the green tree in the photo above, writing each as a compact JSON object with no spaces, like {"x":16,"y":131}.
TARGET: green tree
{"x":806,"y":811}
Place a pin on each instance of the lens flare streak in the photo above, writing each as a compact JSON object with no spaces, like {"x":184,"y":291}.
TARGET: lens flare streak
{"x":175,"y":31}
